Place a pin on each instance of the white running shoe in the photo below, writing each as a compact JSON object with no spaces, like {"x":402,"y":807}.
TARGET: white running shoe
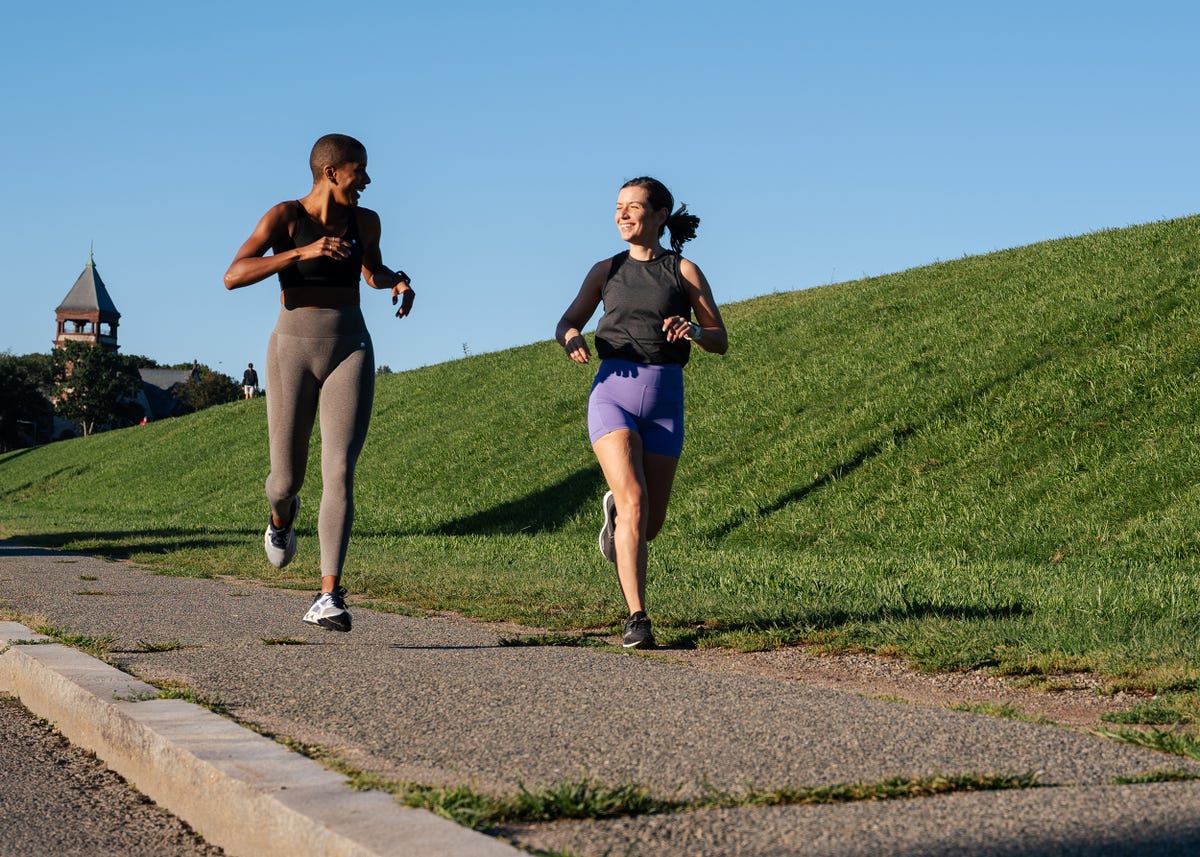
{"x":281,"y":543}
{"x":608,"y":546}
{"x":329,"y":611}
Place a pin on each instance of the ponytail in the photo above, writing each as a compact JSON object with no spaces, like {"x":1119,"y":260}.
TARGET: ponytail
{"x":682,"y":226}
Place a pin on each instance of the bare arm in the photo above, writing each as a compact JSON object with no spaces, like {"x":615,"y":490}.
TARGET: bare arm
{"x":377,"y":274}
{"x":251,"y":265}
{"x":569,"y":330}
{"x":711,"y":335}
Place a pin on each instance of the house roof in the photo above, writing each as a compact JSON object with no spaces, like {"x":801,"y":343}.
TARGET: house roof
{"x":164,"y":379}
{"x":89,"y":294}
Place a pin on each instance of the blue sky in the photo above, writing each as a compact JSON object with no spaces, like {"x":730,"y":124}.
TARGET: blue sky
{"x":818,"y":142}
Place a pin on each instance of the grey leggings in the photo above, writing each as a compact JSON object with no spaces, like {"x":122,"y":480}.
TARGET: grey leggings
{"x":319,"y":354}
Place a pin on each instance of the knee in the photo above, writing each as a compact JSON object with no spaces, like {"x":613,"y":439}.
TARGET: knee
{"x":339,"y":475}
{"x":280,"y":489}
{"x":631,"y":508}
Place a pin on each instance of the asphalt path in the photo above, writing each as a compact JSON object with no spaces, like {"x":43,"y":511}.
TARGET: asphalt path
{"x":60,"y":801}
{"x":441,"y":701}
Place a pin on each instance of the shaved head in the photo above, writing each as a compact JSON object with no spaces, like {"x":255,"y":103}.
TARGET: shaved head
{"x":333,"y":150}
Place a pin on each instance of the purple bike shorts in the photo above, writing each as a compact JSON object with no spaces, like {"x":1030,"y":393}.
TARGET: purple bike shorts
{"x":643,"y":398}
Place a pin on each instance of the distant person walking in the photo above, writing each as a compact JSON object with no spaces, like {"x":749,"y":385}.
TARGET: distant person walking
{"x":250,"y":382}
{"x":321,"y":351}
{"x":635,"y":410}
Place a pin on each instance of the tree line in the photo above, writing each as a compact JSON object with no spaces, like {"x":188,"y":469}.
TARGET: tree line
{"x":93,"y":388}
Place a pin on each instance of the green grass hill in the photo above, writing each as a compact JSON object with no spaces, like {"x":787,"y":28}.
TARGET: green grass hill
{"x":985,"y":462}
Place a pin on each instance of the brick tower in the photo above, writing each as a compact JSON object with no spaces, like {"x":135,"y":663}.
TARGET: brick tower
{"x":87,"y":313}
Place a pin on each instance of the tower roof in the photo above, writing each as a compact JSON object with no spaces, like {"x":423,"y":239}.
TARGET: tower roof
{"x":88,"y":294}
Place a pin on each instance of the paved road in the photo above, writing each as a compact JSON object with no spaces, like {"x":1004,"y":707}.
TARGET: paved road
{"x":59,"y":801}
{"x":441,"y":702}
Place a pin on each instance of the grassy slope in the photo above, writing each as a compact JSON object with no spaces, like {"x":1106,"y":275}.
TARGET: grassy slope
{"x":985,"y":461}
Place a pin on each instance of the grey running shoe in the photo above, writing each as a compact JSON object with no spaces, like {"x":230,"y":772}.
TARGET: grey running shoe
{"x":329,"y":611}
{"x":637,"y":632}
{"x":608,"y":546}
{"x":281,"y":543}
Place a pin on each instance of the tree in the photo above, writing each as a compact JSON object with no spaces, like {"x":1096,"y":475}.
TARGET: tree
{"x":25,"y":410}
{"x":143,"y":362}
{"x":95,"y":387}
{"x":210,"y":388}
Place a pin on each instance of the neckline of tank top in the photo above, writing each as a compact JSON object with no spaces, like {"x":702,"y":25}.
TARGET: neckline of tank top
{"x":351,"y":221}
{"x":666,"y":254}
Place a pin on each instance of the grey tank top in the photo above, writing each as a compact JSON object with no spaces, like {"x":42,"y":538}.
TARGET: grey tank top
{"x":637,"y":297}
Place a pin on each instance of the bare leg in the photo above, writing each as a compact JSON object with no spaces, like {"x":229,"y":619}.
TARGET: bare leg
{"x":641,"y":485}
{"x":660,"y":478}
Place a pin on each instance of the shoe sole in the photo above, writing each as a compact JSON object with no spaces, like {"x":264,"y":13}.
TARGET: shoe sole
{"x":609,"y":505}
{"x":329,"y":624}
{"x":641,"y":644}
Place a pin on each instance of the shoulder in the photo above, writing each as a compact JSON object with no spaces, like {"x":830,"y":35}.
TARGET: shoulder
{"x":366,"y":215}
{"x":289,"y":209}
{"x":690,"y":271}
{"x":283,"y":212}
{"x":368,"y":221}
{"x":274,"y":226}
{"x":597,"y":276}
{"x":603,"y":268}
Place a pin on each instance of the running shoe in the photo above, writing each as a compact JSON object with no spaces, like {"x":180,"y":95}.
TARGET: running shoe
{"x":281,"y":542}
{"x":637,"y":632}
{"x":608,"y":545}
{"x":329,"y":611}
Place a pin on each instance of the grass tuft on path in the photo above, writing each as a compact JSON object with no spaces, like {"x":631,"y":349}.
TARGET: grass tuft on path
{"x":586,"y":798}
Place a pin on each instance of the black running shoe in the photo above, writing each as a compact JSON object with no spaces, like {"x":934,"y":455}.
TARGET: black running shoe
{"x":637,"y":632}
{"x":608,"y":547}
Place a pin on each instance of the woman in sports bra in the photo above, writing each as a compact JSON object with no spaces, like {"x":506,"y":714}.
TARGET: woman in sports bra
{"x":321,"y":246}
{"x":635,"y":410}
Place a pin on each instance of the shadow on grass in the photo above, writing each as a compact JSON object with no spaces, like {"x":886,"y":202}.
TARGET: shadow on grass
{"x":893,"y":439}
{"x":542,"y":511}
{"x":69,"y":472}
{"x":840,"y":471}
{"x":807,"y":622}
{"x":122,"y":544}
{"x":12,"y":455}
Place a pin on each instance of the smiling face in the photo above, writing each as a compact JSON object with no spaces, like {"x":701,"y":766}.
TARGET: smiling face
{"x":349,"y":180}
{"x":637,"y":222}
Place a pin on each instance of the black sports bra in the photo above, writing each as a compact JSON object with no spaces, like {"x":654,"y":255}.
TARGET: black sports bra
{"x":324,"y":271}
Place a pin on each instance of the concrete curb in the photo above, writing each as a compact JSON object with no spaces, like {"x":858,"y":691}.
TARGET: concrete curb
{"x":241,"y":791}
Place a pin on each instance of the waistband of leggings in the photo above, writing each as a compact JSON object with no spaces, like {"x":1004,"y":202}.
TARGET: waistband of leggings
{"x":321,"y":322}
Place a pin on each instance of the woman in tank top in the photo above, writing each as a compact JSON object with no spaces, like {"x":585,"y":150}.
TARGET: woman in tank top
{"x":320,"y":351}
{"x":635,"y":409}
